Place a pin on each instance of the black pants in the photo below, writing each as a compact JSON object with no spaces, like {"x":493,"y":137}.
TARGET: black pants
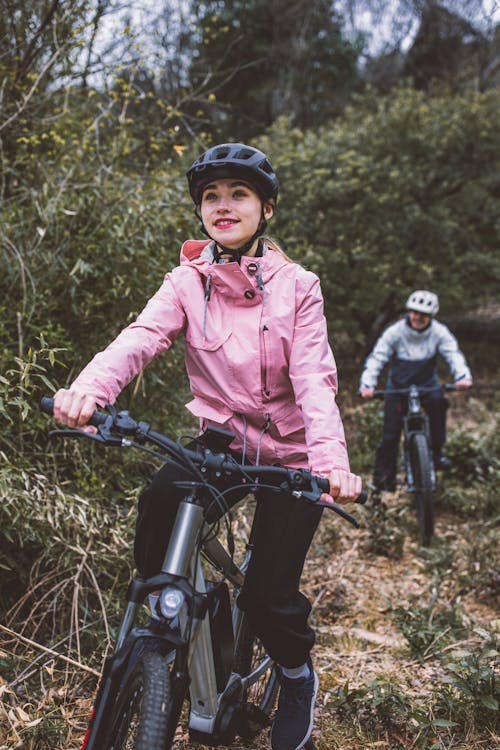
{"x":395,"y":407}
{"x":276,"y":609}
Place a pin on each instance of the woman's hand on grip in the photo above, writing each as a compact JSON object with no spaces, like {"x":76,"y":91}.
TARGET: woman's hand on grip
{"x":344,"y":487}
{"x":73,"y":408}
{"x":463,"y":385}
{"x":366,"y":392}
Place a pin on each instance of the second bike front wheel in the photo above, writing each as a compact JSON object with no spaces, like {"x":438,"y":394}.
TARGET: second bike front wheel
{"x":421,"y":468}
{"x":260,"y":697}
{"x":141,"y":714}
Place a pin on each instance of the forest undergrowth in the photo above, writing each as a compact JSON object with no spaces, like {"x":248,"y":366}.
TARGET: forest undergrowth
{"x":407,"y":637}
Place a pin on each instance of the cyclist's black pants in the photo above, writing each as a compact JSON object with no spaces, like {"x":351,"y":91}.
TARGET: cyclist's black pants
{"x":386,"y":457}
{"x":276,"y":609}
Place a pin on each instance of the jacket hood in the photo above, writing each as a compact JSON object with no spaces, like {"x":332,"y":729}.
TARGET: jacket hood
{"x":199,"y":254}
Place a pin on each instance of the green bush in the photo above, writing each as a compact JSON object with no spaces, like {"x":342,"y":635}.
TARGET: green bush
{"x":430,"y":627}
{"x":469,"y":693}
{"x":471,"y":487}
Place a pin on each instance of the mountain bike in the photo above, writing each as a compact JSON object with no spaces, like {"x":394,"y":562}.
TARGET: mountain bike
{"x":199,"y":655}
{"x":418,"y":459}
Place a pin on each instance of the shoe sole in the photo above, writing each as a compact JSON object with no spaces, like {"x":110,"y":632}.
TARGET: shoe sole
{"x":311,"y":722}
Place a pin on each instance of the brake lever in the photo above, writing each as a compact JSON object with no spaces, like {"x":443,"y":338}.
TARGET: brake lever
{"x":103,"y":435}
{"x":341,"y":512}
{"x":75,"y":433}
{"x":314,"y":499}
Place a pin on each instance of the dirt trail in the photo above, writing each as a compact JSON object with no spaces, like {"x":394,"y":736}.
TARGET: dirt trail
{"x":355,"y":591}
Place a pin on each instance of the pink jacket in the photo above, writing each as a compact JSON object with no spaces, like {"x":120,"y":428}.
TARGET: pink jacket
{"x":257,"y":355}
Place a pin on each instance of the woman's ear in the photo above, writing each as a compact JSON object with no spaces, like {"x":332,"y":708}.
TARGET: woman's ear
{"x":268,"y":209}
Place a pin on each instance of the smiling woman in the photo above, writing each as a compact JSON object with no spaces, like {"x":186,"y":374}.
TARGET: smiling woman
{"x":260,"y":367}
{"x":234,"y":184}
{"x":232,"y":214}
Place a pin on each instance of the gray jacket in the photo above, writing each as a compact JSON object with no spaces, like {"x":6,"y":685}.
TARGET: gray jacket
{"x":412,"y":356}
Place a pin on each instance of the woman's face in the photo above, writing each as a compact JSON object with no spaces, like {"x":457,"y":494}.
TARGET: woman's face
{"x":231,"y":212}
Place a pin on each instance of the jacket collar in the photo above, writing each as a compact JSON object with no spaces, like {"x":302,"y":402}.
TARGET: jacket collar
{"x":199,"y":254}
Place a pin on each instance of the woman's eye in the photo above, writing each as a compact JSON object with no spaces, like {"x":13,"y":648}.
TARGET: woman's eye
{"x":239,"y":194}
{"x":209,"y":197}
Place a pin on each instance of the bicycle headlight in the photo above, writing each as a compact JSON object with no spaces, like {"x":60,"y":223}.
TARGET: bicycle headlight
{"x":171,"y":601}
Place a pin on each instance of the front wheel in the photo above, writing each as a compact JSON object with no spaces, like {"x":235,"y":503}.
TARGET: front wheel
{"x":141,"y":714}
{"x":422,"y":477}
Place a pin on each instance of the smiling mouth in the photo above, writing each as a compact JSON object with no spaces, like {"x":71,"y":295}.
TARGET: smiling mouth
{"x":221,"y":223}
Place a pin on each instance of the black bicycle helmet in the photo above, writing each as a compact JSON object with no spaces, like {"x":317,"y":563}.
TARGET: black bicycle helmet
{"x":233,"y":160}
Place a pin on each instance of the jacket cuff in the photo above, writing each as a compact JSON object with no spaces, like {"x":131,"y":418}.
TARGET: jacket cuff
{"x":324,"y":463}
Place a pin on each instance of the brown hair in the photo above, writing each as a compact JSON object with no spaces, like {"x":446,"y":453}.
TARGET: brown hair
{"x":273,"y":245}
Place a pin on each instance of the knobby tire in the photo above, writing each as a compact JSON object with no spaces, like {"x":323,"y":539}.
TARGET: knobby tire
{"x":141,"y":715}
{"x":424,"y":501}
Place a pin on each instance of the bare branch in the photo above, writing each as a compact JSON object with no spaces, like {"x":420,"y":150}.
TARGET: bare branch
{"x":21,"y":107}
{"x":47,"y":650}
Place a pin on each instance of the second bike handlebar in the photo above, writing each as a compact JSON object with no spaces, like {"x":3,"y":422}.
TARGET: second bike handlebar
{"x":381,"y":392}
{"x":120,"y":429}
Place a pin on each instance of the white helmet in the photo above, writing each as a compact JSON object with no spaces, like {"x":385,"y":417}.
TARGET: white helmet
{"x":423,"y":301}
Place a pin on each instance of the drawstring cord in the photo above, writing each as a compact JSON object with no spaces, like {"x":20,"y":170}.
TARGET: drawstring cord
{"x":244,"y":438}
{"x":265,"y":428}
{"x":260,"y":281}
{"x":208,"y":292}
{"x":260,"y":284}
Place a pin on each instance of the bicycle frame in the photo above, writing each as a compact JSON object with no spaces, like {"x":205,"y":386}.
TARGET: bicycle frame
{"x":418,"y":459}
{"x":415,"y":421}
{"x":182,"y":562}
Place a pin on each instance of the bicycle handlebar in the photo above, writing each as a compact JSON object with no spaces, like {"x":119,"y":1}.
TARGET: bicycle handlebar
{"x":120,"y":429}
{"x":380,"y":393}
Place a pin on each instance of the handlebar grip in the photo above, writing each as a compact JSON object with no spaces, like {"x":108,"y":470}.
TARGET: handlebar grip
{"x":47,"y":406}
{"x":324,"y":486}
{"x":362,"y":497}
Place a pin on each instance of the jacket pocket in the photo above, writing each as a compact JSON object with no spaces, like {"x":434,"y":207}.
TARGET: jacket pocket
{"x":289,"y":423}
{"x":209,"y":412}
{"x":209,"y":343}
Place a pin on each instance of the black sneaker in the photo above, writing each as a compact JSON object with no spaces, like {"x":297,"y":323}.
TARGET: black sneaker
{"x":293,"y":723}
